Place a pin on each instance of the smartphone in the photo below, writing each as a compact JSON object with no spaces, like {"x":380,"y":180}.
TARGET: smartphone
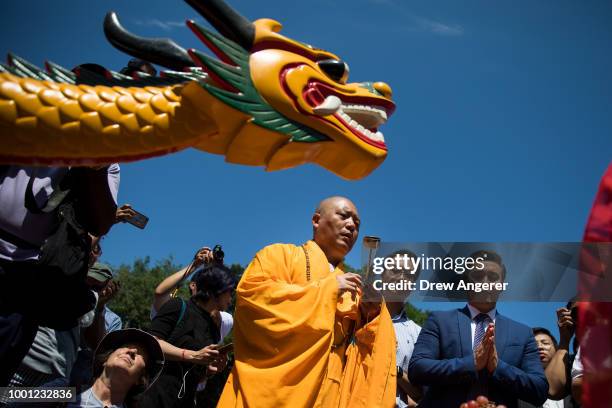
{"x":138,"y":220}
{"x":226,"y":348}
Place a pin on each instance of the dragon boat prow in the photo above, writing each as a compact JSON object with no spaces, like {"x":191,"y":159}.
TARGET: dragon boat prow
{"x":265,"y":100}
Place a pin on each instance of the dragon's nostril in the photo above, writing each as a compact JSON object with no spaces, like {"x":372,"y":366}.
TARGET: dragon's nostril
{"x":384,"y":89}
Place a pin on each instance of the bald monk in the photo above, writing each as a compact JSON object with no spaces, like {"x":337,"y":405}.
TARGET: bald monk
{"x":301,"y":338}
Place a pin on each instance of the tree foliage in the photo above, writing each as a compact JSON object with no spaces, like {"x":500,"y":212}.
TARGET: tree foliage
{"x":138,"y":282}
{"x":416,"y":315}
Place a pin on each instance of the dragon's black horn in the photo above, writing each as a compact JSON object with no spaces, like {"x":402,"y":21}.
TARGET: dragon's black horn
{"x":161,"y":51}
{"x":226,"y":20}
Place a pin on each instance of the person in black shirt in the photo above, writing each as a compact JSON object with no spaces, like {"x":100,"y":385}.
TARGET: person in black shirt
{"x":188,"y":335}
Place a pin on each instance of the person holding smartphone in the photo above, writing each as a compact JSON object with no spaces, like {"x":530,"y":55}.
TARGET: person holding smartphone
{"x":126,"y":213}
{"x":189,"y":337}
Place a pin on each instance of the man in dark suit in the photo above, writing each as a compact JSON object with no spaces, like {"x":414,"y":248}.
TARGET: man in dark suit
{"x":473,"y":351}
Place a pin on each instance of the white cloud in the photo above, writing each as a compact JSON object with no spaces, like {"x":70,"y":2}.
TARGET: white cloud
{"x":437,"y":27}
{"x":418,"y":23}
{"x":164,"y":25}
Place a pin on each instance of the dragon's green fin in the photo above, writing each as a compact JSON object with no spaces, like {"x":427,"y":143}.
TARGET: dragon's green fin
{"x":60,"y":74}
{"x":20,"y":67}
{"x":233,"y":85}
{"x":56,"y":73}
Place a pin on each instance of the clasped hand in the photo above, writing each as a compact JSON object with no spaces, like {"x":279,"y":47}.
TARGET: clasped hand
{"x":485,"y":355}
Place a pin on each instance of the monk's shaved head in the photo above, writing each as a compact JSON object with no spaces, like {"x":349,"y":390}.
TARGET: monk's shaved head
{"x":335,"y":227}
{"x":331,"y":202}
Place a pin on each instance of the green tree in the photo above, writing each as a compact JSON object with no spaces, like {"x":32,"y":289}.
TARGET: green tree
{"x":138,"y":282}
{"x":416,"y":315}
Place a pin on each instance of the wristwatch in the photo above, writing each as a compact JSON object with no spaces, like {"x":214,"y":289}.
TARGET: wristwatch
{"x":400,"y":372}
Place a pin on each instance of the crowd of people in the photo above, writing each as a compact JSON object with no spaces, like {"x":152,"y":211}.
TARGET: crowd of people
{"x":305,"y":335}
{"x":68,"y":336}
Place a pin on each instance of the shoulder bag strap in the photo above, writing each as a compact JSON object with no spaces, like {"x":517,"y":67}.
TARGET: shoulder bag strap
{"x":55,"y":199}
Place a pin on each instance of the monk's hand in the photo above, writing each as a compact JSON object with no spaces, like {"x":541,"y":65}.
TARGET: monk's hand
{"x":348,"y":281}
{"x":205,"y":356}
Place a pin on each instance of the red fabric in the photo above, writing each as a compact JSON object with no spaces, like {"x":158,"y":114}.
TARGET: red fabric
{"x":595,"y":327}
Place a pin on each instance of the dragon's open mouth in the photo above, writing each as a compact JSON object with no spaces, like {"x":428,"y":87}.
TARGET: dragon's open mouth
{"x":362,"y":115}
{"x":364,"y":119}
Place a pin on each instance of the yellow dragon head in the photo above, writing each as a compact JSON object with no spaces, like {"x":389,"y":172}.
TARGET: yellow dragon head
{"x":265,"y":100}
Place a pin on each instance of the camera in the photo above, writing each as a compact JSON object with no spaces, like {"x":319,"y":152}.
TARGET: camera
{"x":218,"y":254}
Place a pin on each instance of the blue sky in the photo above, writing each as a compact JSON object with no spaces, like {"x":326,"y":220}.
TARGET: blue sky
{"x":502,"y":131}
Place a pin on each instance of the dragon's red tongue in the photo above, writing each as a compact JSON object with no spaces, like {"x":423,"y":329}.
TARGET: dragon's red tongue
{"x":314,"y":96}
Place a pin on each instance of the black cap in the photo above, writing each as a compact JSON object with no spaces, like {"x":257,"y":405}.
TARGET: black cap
{"x":119,"y":338}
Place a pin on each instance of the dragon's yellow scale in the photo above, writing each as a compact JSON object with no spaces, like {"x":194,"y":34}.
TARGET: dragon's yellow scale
{"x":114,"y":123}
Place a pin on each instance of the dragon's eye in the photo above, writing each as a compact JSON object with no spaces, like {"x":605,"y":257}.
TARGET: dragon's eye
{"x":335,"y":69}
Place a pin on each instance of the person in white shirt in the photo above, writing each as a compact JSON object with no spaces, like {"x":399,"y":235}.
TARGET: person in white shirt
{"x":406,"y":331}
{"x":35,"y":214}
{"x":577,"y":373}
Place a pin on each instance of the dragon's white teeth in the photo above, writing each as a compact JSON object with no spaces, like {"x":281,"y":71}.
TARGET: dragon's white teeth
{"x":376,"y":136}
{"x":371,"y":116}
{"x":330,"y":105}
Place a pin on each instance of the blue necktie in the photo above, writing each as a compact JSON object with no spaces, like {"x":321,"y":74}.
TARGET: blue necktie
{"x":482,"y":321}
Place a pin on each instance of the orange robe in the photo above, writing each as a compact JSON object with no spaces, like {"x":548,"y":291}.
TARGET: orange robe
{"x":292,"y":335}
